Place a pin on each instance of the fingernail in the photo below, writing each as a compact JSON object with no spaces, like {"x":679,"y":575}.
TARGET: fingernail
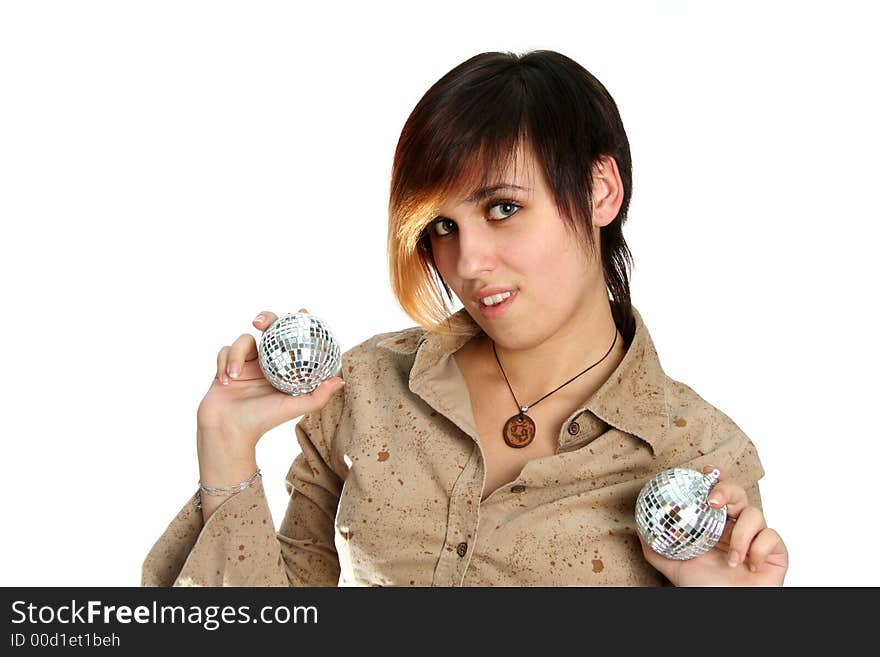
{"x":753,"y":568}
{"x":714,"y":501}
{"x":224,"y":380}
{"x":259,"y":318}
{"x":732,"y":558}
{"x":233,"y":371}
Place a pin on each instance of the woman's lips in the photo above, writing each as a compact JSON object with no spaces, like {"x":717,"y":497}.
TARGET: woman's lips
{"x":497,"y":310}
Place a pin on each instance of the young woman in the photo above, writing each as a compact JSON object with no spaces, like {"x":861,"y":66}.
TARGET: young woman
{"x":501,"y":445}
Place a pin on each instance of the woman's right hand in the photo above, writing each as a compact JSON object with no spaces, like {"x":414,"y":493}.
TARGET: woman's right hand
{"x":241,"y":405}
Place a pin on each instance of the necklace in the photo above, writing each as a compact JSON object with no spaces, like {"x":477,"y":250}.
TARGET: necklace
{"x":519,"y":430}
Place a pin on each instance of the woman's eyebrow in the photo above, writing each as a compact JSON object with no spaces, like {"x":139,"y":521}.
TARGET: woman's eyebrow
{"x":485,"y":192}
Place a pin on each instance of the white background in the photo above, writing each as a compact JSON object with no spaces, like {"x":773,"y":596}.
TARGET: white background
{"x":169,"y":169}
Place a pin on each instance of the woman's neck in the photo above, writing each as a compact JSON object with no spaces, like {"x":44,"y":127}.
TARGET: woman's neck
{"x":537,"y":370}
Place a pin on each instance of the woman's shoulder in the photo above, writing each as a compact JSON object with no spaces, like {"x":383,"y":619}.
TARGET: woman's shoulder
{"x":696,"y":423}
{"x":684,"y":403}
{"x":698,"y":433}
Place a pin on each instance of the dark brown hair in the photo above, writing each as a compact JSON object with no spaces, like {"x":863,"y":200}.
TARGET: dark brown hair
{"x":465,"y":130}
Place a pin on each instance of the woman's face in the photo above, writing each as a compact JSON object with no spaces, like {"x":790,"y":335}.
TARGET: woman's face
{"x":515,"y":239}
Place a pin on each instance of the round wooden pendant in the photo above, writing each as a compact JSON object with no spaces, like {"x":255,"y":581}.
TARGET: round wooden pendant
{"x":519,"y":430}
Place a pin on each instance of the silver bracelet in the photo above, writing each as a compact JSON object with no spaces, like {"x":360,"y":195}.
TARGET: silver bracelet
{"x":225,"y":491}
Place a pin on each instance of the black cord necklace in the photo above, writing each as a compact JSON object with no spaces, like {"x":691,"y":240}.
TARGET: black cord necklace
{"x":519,"y":430}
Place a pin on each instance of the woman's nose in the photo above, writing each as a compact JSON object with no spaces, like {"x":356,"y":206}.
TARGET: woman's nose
{"x":476,"y":252}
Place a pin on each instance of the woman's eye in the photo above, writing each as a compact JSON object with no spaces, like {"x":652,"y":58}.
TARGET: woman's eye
{"x":507,"y":209}
{"x":440,"y":223}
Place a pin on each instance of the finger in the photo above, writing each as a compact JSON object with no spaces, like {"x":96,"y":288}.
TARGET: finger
{"x":243,"y":349}
{"x":317,"y":398}
{"x":768,"y":543}
{"x":716,"y":500}
{"x":731,"y":494}
{"x":264,"y":319}
{"x":724,"y":541}
{"x":222,"y":357}
{"x":708,"y":468}
{"x":749,"y":523}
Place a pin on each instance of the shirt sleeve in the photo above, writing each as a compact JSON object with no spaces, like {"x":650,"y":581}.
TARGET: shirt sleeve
{"x":239,"y":546}
{"x":737,"y":458}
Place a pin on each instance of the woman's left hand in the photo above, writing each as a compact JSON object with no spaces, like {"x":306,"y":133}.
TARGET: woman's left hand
{"x":748,"y":554}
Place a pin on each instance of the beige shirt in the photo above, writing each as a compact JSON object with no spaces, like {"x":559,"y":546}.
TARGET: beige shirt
{"x":387,"y":489}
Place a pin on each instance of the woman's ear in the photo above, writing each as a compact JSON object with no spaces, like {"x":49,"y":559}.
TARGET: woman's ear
{"x":607,"y":190}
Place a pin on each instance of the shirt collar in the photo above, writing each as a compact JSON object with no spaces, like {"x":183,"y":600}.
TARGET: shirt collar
{"x":632,"y":399}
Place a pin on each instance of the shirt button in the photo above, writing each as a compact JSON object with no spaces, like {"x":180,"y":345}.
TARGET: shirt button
{"x":574,"y":428}
{"x":519,"y":488}
{"x":461,"y":549}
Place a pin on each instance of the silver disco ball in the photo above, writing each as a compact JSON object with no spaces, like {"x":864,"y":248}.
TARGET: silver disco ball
{"x":674,"y":516}
{"x":297,"y":352}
